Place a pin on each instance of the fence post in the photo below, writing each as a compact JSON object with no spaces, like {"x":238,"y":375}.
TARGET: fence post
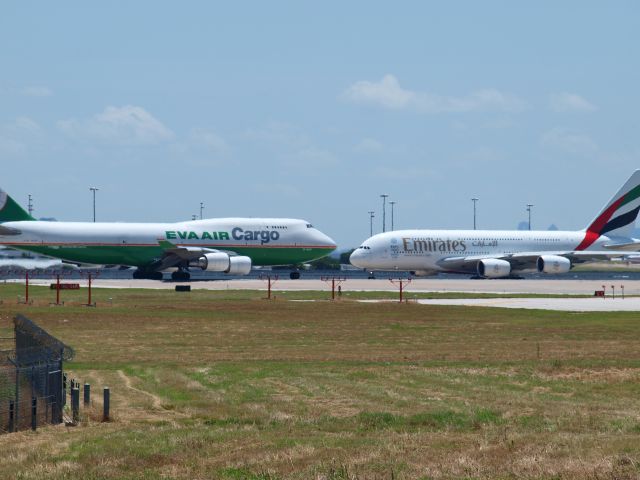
{"x":105,"y":403}
{"x":64,"y":389}
{"x":17,"y":404}
{"x":12,"y":413}
{"x":34,"y":413}
{"x":87,"y":394}
{"x":75,"y":404}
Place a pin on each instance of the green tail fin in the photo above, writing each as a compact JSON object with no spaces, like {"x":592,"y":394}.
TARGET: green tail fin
{"x":10,"y":211}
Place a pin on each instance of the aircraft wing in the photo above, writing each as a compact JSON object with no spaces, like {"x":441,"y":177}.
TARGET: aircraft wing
{"x":527,"y":260}
{"x":627,"y":247}
{"x":174,"y":255}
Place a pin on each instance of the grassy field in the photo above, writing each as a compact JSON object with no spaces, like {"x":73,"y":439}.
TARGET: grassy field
{"x":228,"y":385}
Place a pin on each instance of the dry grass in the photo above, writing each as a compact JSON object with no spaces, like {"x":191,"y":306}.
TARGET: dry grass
{"x":212,"y":386}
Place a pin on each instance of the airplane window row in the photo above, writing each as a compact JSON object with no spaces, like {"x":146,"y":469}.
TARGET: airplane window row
{"x":278,"y":227}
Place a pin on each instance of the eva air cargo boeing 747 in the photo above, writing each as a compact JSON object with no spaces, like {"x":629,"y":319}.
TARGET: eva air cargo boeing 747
{"x":496,"y":254}
{"x":229,"y":245}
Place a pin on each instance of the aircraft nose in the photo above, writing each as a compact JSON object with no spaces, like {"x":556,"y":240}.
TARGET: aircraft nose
{"x":325,"y":240}
{"x":356,"y":258}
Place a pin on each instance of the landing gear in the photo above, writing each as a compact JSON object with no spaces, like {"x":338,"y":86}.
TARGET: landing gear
{"x":147,"y":275}
{"x":295,"y":275}
{"x":181,"y":276}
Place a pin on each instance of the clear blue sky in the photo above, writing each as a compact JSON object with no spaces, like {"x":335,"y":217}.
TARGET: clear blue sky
{"x":311,"y":110}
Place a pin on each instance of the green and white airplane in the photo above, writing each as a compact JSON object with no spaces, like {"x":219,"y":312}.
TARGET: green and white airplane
{"x":229,"y":245}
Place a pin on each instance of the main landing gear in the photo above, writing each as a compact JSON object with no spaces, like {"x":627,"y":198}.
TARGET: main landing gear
{"x":295,"y":275}
{"x":181,"y":275}
{"x":140,"y":274}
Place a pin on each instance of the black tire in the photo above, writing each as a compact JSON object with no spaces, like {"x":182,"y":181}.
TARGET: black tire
{"x":179,"y":276}
{"x":294,"y":275}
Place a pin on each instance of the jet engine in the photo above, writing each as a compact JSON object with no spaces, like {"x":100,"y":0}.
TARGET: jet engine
{"x":493,"y":268}
{"x":553,"y":264}
{"x":239,"y":266}
{"x":212,"y":262}
{"x":221,"y":262}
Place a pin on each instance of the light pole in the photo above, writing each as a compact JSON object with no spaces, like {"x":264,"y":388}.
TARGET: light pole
{"x":30,"y":205}
{"x":474,"y":200}
{"x":392,"y":203}
{"x":371,"y":215}
{"x":529,"y":205}
{"x":94,"y":190}
{"x":384,"y":212}
{"x":201,"y":207}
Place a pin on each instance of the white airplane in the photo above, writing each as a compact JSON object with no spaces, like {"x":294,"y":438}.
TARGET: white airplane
{"x":229,"y":245}
{"x":502,"y":253}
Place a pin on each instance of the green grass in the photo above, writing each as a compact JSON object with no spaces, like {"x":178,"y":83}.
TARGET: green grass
{"x":227,"y":385}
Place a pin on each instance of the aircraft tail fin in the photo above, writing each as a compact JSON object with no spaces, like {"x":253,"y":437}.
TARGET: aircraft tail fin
{"x":10,"y":211}
{"x":618,"y":217}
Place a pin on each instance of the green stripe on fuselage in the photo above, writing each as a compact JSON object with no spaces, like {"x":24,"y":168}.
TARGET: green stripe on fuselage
{"x":140,"y":256}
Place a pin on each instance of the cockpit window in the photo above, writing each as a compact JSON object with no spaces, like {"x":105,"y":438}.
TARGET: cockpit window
{"x":364,"y":247}
{"x":309,"y":225}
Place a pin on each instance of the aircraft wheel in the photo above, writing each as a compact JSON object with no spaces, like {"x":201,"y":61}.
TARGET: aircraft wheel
{"x":180,"y":276}
{"x":156,"y":276}
{"x":294,"y":275}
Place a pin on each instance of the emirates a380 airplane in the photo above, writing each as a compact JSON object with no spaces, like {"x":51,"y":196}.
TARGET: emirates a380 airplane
{"x":229,"y":245}
{"x":501,"y":253}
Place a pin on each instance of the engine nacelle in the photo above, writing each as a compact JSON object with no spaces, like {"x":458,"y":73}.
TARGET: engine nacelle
{"x":493,"y":268}
{"x":212,"y":262}
{"x":553,"y":264}
{"x":239,"y":266}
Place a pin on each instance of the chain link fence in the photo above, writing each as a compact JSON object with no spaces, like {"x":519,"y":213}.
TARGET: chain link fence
{"x":31,"y":378}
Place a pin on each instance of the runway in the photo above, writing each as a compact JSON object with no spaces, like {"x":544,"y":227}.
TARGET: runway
{"x":529,"y":286}
{"x":561,"y":304}
{"x":539,"y":286}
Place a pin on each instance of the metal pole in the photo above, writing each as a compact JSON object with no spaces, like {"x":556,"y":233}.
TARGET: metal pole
{"x":30,"y":205}
{"x":94,"y":190}
{"x":201,"y":207}
{"x":34,"y":413}
{"x":384,"y":212}
{"x":105,"y":404}
{"x":529,"y":205}
{"x":392,"y":202}
{"x":89,"y":301}
{"x":371,"y":215}
{"x":87,"y":394}
{"x":75,"y":403}
{"x":474,"y":200}
{"x":26,"y":286}
{"x":57,"y":289}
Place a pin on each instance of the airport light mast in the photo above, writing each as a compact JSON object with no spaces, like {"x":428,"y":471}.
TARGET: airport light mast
{"x":474,"y":200}
{"x":201,"y":207}
{"x":30,"y":205}
{"x":94,"y":190}
{"x":529,"y":205}
{"x":384,"y":211}
{"x":371,"y":215}
{"x":392,"y":203}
